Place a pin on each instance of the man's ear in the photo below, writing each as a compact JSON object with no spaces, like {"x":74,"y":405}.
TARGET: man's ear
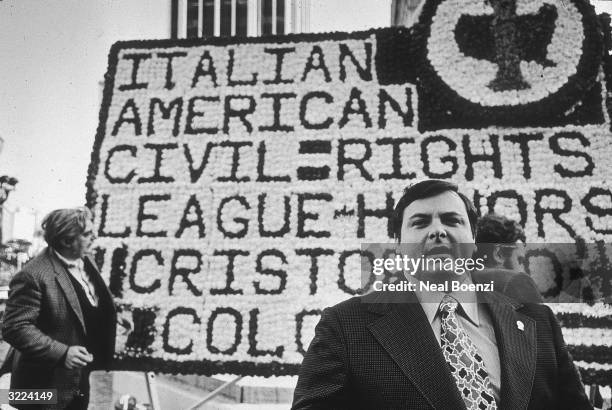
{"x":65,"y":243}
{"x":401,"y":248}
{"x":475,"y":251}
{"x":497,"y":255}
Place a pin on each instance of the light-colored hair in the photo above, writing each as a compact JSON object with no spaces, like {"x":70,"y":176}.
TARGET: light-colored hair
{"x":64,"y":225}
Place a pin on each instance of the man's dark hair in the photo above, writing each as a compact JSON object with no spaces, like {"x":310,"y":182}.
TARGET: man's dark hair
{"x":64,"y":225}
{"x":493,"y":228}
{"x":427,"y":189}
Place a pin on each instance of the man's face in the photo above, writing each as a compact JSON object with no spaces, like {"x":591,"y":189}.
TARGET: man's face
{"x":437,"y":227}
{"x":82,"y":243}
{"x":516,"y":259}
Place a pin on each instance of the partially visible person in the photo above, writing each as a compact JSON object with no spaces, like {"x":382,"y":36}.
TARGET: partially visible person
{"x":506,"y":239}
{"x":501,"y":243}
{"x":60,"y":317}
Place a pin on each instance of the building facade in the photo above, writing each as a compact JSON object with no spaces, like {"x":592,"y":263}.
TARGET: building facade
{"x":225,"y":18}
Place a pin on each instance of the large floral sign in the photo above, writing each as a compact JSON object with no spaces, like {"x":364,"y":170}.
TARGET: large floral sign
{"x":234,"y":180}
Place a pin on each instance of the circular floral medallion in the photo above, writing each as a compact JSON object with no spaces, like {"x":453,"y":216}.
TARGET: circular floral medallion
{"x":507,"y":59}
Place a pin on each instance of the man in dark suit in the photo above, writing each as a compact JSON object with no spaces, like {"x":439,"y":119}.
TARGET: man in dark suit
{"x":60,"y":317}
{"x":501,"y":243}
{"x":438,"y":350}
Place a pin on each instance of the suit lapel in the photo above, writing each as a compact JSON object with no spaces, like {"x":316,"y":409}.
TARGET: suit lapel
{"x":517,"y":351}
{"x":61,"y":276}
{"x":405,"y":333}
{"x":95,"y":275}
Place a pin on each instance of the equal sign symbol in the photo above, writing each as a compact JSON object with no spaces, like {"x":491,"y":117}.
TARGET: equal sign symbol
{"x":314,"y":173}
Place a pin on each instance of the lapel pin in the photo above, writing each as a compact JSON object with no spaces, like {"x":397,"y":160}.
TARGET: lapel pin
{"x":520,"y":325}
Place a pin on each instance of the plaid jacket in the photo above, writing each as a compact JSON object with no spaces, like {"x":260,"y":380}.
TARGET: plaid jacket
{"x":385,"y":356}
{"x":43,"y":318}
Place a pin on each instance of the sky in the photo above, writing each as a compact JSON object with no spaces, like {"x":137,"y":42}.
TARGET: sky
{"x":53,"y":56}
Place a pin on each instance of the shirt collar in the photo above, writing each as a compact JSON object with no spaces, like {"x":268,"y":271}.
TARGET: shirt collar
{"x":69,"y":263}
{"x":467,"y":301}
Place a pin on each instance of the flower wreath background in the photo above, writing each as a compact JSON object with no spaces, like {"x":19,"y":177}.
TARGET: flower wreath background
{"x":447,"y":107}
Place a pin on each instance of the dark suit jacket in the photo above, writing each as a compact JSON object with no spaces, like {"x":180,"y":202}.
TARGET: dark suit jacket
{"x":516,"y":285}
{"x":43,"y":318}
{"x":385,"y":356}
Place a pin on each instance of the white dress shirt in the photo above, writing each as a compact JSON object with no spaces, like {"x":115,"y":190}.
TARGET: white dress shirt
{"x":77,"y":270}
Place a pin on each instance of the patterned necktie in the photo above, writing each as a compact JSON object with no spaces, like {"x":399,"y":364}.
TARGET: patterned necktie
{"x":464,"y":361}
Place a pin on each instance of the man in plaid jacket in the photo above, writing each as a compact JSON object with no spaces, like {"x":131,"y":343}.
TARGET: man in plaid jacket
{"x":60,"y":317}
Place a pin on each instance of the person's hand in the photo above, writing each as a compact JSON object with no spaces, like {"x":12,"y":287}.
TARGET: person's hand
{"x":77,"y":356}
